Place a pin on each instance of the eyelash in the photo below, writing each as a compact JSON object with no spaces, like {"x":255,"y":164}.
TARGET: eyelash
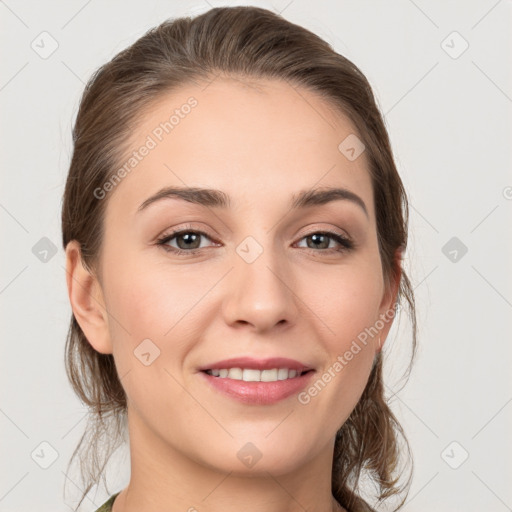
{"x":345,"y":243}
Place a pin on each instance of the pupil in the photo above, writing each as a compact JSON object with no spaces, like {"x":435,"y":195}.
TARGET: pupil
{"x":189,"y":237}
{"x":315,"y":239}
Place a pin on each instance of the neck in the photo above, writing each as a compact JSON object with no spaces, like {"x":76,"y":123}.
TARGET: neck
{"x":163,"y":478}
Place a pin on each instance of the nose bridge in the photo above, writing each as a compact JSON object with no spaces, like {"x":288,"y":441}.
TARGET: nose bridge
{"x":260,"y":287}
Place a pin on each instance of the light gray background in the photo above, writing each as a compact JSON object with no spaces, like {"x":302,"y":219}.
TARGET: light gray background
{"x":450,"y":124}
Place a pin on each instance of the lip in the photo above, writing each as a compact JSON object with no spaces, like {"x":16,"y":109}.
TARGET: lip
{"x":258,"y":364}
{"x":258,"y":393}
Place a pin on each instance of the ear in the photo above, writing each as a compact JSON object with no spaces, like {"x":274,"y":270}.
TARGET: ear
{"x":87,"y":302}
{"x":387,"y":309}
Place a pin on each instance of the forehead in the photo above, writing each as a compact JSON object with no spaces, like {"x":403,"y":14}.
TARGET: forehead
{"x":247,"y":138}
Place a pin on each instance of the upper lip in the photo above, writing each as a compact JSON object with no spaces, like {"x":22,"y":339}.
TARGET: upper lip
{"x":257,"y":364}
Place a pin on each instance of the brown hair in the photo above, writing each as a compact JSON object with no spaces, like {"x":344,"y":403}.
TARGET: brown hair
{"x":246,"y":42}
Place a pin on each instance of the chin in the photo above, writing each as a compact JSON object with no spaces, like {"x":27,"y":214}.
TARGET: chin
{"x":258,"y":457}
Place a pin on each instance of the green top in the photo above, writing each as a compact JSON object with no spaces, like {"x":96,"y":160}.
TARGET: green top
{"x":107,"y":506}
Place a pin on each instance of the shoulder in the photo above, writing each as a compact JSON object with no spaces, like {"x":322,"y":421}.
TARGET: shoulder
{"x":107,"y":506}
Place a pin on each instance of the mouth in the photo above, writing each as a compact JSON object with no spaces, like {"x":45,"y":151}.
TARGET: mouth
{"x":260,"y":382}
{"x":255,"y":375}
{"x":251,"y":363}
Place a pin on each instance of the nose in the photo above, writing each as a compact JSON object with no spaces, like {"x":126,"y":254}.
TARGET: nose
{"x":260,"y":294}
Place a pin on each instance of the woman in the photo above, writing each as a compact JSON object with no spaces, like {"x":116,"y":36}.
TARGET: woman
{"x":234,"y":224}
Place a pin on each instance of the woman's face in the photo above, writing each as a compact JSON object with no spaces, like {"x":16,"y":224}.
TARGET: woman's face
{"x":257,"y":276}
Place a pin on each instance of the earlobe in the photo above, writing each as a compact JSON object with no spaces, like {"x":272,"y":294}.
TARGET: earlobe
{"x":87,"y":302}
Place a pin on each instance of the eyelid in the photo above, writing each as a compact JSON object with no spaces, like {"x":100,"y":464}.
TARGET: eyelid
{"x":328,"y":230}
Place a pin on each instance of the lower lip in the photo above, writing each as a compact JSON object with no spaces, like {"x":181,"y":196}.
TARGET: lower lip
{"x":260,"y":393}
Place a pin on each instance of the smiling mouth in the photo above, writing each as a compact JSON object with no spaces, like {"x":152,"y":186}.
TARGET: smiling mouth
{"x":255,"y":375}
{"x":253,"y":386}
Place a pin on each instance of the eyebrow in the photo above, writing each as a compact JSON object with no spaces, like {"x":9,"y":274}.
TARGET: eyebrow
{"x":218,"y":199}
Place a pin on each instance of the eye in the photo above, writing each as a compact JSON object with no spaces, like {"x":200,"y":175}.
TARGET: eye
{"x":328,"y":241}
{"x":187,"y":241}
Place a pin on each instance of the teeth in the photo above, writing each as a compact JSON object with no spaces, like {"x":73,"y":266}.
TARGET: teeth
{"x":269,"y":375}
{"x":235,"y":373}
{"x":251,"y":375}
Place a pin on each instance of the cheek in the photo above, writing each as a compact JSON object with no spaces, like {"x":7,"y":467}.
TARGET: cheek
{"x":145,"y":293}
{"x":151,"y":313}
{"x":346,"y":300}
{"x":346,"y":308}
{"x":156,"y":302}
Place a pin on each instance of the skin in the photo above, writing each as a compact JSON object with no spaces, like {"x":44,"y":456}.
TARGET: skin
{"x":260,"y":142}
